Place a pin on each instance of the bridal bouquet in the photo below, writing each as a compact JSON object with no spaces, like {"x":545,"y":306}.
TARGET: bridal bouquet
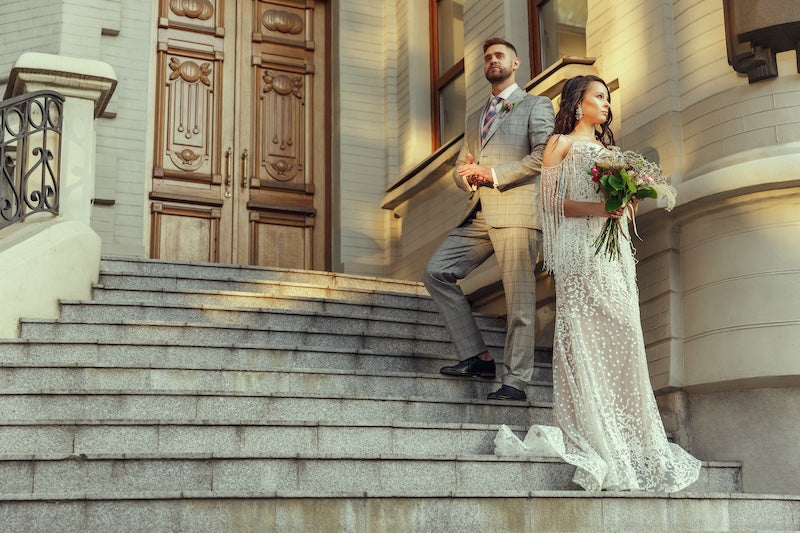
{"x":622,"y":176}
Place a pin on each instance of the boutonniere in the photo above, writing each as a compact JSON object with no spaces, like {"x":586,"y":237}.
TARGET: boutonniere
{"x":507,"y":106}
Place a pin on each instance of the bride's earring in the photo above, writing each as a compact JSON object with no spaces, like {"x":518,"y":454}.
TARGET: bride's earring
{"x":578,"y":113}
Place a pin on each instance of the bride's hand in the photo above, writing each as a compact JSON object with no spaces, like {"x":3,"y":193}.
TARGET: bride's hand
{"x":611,"y":214}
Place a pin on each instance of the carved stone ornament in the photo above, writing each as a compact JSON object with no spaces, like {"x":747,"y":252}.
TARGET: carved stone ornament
{"x":281,"y":167}
{"x":193,"y":9}
{"x":282,"y":21}
{"x":756,"y":30}
{"x":189,"y":71}
{"x":188,"y":156}
{"x":283,"y":85}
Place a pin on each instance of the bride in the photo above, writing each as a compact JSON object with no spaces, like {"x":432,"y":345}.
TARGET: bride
{"x":608,"y":422}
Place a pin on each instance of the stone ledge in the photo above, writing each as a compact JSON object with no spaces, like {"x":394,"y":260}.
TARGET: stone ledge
{"x":460,"y":495}
{"x":71,"y":76}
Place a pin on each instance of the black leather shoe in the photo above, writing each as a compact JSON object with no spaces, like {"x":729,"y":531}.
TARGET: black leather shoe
{"x":474,"y":366}
{"x":507,"y":392}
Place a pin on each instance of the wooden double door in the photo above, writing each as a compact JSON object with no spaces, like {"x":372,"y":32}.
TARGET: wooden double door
{"x":240,"y":167}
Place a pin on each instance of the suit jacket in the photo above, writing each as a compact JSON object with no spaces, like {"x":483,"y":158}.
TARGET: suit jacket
{"x":513,"y":148}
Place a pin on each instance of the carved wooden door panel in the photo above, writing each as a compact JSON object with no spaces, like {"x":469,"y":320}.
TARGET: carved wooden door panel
{"x":240,"y":173}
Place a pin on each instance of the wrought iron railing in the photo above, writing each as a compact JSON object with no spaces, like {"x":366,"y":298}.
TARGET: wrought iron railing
{"x":30,"y":155}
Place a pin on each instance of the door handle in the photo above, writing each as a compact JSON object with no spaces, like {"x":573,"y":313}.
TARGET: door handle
{"x":228,"y":172}
{"x":244,"y":169}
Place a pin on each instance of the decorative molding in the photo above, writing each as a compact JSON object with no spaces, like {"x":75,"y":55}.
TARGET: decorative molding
{"x":190,"y":97}
{"x":282,"y":21}
{"x":189,"y":71}
{"x":282,"y":125}
{"x":194,"y":9}
{"x":283,"y":85}
{"x":187,"y":155}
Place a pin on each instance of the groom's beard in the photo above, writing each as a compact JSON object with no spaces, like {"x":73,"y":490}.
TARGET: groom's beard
{"x":495,"y":76}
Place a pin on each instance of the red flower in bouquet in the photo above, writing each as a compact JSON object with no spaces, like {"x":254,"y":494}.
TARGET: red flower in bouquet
{"x":622,"y":176}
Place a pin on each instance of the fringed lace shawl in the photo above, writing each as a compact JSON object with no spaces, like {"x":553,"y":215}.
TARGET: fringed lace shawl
{"x":554,"y":191}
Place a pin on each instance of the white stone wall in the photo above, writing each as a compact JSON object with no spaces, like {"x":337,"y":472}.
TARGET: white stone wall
{"x":758,"y":427}
{"x":363,"y":133}
{"x":737,"y":273}
{"x":27,"y":26}
{"x":124,"y":141}
{"x":741,"y":285}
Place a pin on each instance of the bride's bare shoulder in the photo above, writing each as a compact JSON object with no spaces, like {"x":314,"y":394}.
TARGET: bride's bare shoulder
{"x":556,"y":150}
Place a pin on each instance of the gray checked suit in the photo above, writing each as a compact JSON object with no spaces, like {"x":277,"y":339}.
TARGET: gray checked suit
{"x":505,"y":221}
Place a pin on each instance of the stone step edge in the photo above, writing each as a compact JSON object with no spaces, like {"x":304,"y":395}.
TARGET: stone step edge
{"x":245,"y":422}
{"x":416,"y":295}
{"x":360,"y":495}
{"x":364,"y":457}
{"x":105,"y":269}
{"x":333,"y":372}
{"x":221,"y":326}
{"x":262,"y":296}
{"x":241,"y":346}
{"x":98,"y":365}
{"x":234,"y":267}
{"x":117,"y":393}
{"x":269,"y":310}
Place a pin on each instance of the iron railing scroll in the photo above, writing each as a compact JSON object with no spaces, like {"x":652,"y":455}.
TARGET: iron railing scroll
{"x":30,"y":155}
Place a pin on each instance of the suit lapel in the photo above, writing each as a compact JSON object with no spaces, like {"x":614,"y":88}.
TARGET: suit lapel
{"x":473,"y":133}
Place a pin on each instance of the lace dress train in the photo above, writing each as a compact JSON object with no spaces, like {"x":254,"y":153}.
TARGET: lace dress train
{"x":609,"y":426}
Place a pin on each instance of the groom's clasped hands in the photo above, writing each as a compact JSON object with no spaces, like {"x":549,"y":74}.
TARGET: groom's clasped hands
{"x":476,"y":175}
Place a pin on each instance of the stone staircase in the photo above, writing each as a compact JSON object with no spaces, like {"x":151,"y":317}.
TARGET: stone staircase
{"x":189,"y":397}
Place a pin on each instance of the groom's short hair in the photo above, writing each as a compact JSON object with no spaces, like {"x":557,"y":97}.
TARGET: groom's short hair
{"x":498,"y":40}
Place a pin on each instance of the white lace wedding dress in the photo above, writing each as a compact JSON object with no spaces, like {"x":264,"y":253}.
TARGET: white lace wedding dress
{"x":610,"y":428}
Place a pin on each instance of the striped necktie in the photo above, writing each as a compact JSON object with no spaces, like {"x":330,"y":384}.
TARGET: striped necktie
{"x":488,"y":117}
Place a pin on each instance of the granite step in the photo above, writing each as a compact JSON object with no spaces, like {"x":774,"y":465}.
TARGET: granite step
{"x":394,"y":510}
{"x":356,"y":308}
{"x":242,"y":356}
{"x":277,"y":329}
{"x":193,"y":298}
{"x":339,"y":383}
{"x":420,"y":474}
{"x":208,"y":397}
{"x":264,"y":289}
{"x":245,"y":438}
{"x":220,"y":407}
{"x":344,"y":317}
{"x":135,"y":267}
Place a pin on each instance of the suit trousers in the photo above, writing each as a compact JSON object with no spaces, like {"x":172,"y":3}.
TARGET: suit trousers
{"x":462,"y":251}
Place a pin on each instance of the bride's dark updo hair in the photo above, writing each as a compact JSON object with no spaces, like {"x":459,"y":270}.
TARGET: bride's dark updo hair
{"x":571,"y":97}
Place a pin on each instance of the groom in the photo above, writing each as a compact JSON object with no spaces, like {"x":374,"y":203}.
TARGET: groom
{"x":499,"y":165}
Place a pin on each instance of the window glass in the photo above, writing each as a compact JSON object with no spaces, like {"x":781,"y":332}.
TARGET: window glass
{"x":452,"y":104}
{"x":447,"y":70}
{"x":450,"y":25}
{"x":562,"y":30}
